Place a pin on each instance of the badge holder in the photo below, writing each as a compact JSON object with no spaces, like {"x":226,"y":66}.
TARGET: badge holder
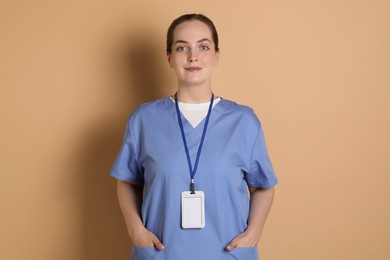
{"x":192,"y":210}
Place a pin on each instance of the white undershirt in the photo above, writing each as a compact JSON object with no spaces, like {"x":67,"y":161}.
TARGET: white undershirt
{"x":195,"y":113}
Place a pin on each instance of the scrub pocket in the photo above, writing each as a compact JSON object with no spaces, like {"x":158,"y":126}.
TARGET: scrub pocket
{"x":242,"y":253}
{"x":146,"y":253}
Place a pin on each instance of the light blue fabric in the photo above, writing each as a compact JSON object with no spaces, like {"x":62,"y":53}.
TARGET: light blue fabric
{"x":234,"y":156}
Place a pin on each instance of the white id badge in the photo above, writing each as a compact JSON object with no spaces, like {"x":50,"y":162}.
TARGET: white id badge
{"x":192,"y":210}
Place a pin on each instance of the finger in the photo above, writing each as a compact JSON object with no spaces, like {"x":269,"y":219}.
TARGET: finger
{"x":231,"y":245}
{"x":157,"y":243}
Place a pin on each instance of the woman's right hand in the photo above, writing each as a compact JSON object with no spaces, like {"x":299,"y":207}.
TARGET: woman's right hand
{"x":144,"y":238}
{"x":130,"y":200}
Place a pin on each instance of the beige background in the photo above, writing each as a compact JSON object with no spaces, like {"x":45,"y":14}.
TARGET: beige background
{"x":317,"y":74}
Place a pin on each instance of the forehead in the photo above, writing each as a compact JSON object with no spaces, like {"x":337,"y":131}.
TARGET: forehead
{"x":192,"y":31}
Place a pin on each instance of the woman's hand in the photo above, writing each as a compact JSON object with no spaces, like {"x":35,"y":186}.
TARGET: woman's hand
{"x":130,"y":200}
{"x":244,"y":239}
{"x":145,"y":238}
{"x":260,"y":204}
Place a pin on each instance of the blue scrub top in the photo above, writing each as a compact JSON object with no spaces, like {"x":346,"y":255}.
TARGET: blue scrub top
{"x":234,"y":156}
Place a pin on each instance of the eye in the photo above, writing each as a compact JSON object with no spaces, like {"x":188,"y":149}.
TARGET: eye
{"x":181,"y":49}
{"x":204,"y":48}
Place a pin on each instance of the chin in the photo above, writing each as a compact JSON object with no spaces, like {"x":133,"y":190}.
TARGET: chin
{"x":194,"y":82}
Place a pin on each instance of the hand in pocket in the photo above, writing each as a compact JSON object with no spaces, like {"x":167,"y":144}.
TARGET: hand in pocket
{"x":145,"y":238}
{"x":242,"y":240}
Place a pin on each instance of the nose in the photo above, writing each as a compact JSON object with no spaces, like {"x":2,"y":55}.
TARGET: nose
{"x":192,"y":57}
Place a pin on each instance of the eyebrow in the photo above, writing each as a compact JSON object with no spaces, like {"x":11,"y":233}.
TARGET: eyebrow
{"x":201,"y":40}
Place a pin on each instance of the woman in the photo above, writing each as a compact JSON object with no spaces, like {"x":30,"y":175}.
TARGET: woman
{"x":187,"y":162}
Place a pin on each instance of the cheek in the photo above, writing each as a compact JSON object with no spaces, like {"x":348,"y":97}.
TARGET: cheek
{"x":210,"y":60}
{"x":177,"y":60}
{"x":172,"y":62}
{"x":176,"y":65}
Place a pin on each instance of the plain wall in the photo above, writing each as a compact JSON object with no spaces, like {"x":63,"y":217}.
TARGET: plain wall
{"x":317,"y":73}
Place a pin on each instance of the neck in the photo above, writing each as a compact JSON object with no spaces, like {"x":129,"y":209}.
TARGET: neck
{"x":192,"y":95}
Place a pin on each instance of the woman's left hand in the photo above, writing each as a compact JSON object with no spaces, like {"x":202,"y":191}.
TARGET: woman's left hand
{"x":242,"y":240}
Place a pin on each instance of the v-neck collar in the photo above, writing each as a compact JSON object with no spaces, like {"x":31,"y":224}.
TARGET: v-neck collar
{"x":193,"y":133}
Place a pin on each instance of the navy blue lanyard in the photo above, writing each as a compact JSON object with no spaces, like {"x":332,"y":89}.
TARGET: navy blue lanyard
{"x":193,"y":171}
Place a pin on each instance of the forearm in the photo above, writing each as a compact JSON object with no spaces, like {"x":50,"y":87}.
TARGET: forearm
{"x":260,"y":205}
{"x":130,"y":201}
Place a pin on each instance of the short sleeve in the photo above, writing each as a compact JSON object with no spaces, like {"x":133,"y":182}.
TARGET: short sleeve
{"x":261,"y":173}
{"x":126,"y":166}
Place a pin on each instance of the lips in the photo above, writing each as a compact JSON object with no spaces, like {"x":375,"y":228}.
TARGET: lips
{"x":193,"y":69}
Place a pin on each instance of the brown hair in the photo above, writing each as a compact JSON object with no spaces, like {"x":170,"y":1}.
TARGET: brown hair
{"x":190,"y":17}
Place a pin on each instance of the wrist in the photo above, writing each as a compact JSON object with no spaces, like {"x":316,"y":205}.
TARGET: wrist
{"x":135,"y":230}
{"x":252,"y":234}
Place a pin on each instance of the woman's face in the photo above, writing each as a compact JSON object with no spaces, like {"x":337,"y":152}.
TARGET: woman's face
{"x":193,"y":54}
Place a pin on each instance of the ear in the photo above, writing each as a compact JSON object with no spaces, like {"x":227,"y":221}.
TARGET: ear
{"x":169,"y":59}
{"x":216,"y":58}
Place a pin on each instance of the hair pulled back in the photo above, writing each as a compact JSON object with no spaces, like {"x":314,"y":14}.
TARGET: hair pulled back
{"x":191,"y":17}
